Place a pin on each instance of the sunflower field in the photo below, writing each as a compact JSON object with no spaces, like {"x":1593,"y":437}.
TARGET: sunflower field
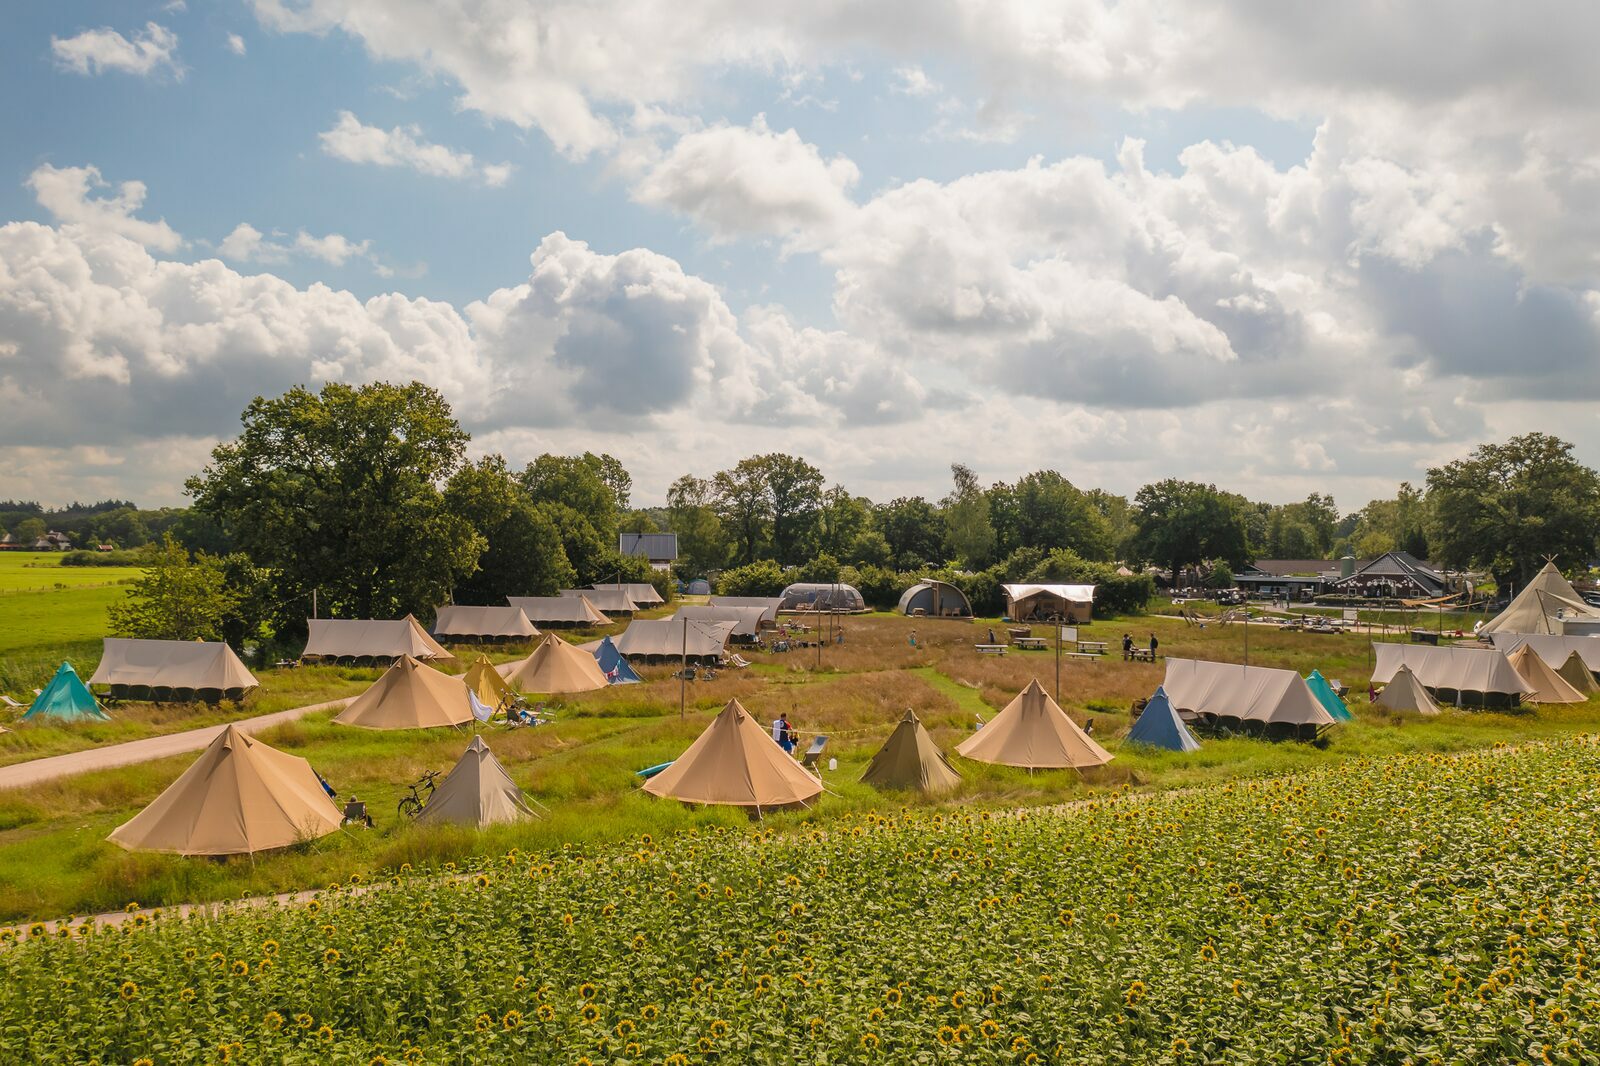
{"x":1413,"y":909}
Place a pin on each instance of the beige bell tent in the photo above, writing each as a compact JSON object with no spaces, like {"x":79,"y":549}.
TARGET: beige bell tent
{"x":1544,"y":605}
{"x":371,"y":638}
{"x":240,"y":796}
{"x":171,"y":669}
{"x":672,"y":638}
{"x":552,"y":611}
{"x":607,"y":601}
{"x":1034,"y":732}
{"x":910,"y":759}
{"x":556,"y":668}
{"x":410,"y":695}
{"x":1453,"y":673}
{"x":483,"y":623}
{"x":735,"y":762}
{"x":485,"y":682}
{"x":477,"y":792}
{"x":1278,"y":701}
{"x":1575,"y":672}
{"x":641,"y":593}
{"x":1405,"y":693}
{"x":1548,"y":686}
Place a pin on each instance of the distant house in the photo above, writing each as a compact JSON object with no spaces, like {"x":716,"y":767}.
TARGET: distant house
{"x":1290,"y":578}
{"x":1395,"y":575}
{"x":660,"y":548}
{"x":50,"y":542}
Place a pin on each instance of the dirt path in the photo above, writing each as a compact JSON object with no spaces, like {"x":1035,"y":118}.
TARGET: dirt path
{"x":35,"y":771}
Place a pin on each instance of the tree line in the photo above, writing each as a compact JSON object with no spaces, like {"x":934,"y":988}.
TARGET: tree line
{"x":362,"y":497}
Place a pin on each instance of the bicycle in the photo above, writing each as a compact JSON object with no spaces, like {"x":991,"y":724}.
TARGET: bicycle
{"x":412,"y":805}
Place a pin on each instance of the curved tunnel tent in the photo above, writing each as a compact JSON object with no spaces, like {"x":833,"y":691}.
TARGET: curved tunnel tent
{"x":935,"y":599}
{"x":822,"y":596}
{"x":1462,"y":676}
{"x":171,"y":670}
{"x":1251,"y":699}
{"x":485,"y":624}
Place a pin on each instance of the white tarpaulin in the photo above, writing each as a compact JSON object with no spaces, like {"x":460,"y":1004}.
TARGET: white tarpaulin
{"x":1552,"y":649}
{"x":171,"y":664}
{"x":1451,"y":667}
{"x":1248,"y":693}
{"x":370,"y":638}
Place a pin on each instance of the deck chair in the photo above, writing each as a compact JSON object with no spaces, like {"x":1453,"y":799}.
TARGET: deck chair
{"x":814,"y":752}
{"x":9,"y":702}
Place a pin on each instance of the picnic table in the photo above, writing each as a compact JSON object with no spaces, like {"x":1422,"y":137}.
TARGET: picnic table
{"x":1029,"y":643}
{"x":990,"y":649}
{"x":1092,"y":647}
{"x":1142,"y":655}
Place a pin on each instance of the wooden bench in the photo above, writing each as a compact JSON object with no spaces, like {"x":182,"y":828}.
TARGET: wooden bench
{"x":1029,"y":643}
{"x":1142,"y":655}
{"x":1092,"y":647}
{"x":990,"y":649}
{"x":1089,"y":655}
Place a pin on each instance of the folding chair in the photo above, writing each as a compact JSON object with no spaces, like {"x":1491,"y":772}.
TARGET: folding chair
{"x":814,"y":752}
{"x":9,"y":702}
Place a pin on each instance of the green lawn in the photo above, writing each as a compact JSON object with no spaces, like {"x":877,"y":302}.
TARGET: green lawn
{"x":43,"y":570}
{"x":54,"y":858}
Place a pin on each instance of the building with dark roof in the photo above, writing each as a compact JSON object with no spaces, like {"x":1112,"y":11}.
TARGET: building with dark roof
{"x":1395,"y":575}
{"x":660,"y":548}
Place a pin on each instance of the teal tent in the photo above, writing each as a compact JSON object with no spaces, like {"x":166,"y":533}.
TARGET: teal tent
{"x":1160,"y":727}
{"x":1328,"y":698}
{"x":66,"y":699}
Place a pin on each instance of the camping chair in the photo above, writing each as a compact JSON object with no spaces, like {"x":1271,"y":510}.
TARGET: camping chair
{"x":814,"y":752}
{"x":739,"y":660}
{"x":9,"y":702}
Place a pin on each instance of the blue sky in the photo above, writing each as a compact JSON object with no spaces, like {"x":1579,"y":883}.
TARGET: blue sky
{"x":1127,"y":241}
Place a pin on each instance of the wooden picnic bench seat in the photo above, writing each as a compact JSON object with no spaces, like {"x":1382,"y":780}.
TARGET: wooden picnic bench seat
{"x":1142,"y":655}
{"x":1088,"y":655}
{"x":990,"y":649}
{"x":1029,"y":643}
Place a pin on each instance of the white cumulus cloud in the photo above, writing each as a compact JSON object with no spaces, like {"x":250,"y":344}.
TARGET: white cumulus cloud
{"x":97,"y":51}
{"x":68,"y":194}
{"x":403,"y":146}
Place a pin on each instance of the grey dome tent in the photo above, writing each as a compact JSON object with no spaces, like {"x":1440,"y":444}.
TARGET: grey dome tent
{"x":935,"y":599}
{"x":823,"y":596}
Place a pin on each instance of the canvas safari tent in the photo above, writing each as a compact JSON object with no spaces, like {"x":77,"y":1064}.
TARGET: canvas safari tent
{"x":769,"y":605}
{"x":1545,"y":605}
{"x":557,"y":668}
{"x":1453,"y":674}
{"x":1160,"y":726}
{"x":673,"y":638}
{"x":735,"y":762}
{"x":171,"y":670}
{"x":1405,"y":693}
{"x":66,"y":699}
{"x":1552,"y":648}
{"x":556,"y":611}
{"x":910,"y":759}
{"x":1033,"y":731}
{"x":641,"y":593}
{"x":747,"y":621}
{"x":239,"y":797}
{"x":371,"y":639}
{"x":1043,"y":603}
{"x":477,"y":792}
{"x":1547,"y":685}
{"x":410,"y":695}
{"x":935,"y":599}
{"x":1254,"y":699}
{"x":612,"y":601}
{"x":483,"y":623}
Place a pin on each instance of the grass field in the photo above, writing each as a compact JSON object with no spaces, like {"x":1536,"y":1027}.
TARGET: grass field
{"x":54,"y":858}
{"x":50,"y":612}
{"x":1409,"y":909}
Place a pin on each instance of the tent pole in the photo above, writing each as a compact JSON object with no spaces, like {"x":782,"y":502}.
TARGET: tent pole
{"x":683,"y":667}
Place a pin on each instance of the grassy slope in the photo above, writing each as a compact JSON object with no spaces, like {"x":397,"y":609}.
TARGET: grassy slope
{"x":53,"y":858}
